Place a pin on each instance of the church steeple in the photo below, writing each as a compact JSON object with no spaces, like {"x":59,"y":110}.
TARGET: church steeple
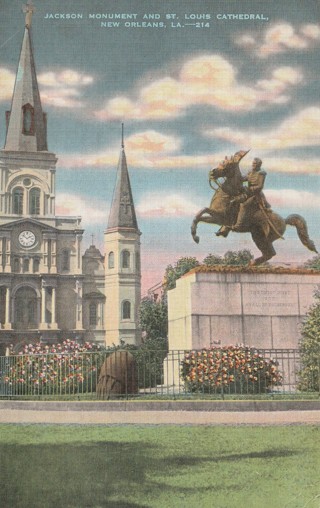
{"x":122,"y":212}
{"x":26,"y":122}
{"x":122,"y":265}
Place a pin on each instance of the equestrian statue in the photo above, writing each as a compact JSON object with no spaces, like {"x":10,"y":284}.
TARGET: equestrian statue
{"x":239,"y":205}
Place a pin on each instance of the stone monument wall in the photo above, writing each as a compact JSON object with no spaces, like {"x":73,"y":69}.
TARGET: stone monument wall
{"x":257,"y":307}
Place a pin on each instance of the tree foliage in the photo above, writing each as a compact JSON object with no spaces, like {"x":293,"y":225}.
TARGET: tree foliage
{"x":154,"y":318}
{"x":174,"y":272}
{"x":231,"y":258}
{"x":310,"y":348}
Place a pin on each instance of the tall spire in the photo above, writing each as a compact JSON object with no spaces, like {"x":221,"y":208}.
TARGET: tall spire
{"x":122,"y":212}
{"x":29,"y":10}
{"x":26,"y":121}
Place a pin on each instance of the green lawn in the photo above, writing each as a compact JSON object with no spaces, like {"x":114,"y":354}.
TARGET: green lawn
{"x":44,"y":466}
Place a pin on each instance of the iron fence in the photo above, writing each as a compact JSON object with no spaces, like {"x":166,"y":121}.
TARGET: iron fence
{"x":216,"y":372}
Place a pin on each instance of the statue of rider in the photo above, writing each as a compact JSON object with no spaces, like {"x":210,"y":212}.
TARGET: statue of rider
{"x":252,"y":198}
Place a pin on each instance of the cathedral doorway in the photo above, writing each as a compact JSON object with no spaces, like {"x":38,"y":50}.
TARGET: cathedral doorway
{"x":26,"y":312}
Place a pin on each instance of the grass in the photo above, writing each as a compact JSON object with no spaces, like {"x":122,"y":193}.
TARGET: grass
{"x":62,"y":466}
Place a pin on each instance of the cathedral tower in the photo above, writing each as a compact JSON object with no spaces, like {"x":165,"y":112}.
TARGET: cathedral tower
{"x":40,"y":259}
{"x":122,"y":263}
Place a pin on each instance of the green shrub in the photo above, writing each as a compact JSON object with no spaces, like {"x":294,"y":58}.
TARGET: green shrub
{"x":309,"y":375}
{"x":149,"y":357}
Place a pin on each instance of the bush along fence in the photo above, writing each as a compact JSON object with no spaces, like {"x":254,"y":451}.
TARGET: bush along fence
{"x":233,"y":370}
{"x":89,"y":371}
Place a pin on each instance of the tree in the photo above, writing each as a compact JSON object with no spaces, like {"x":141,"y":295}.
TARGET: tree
{"x":234,"y":258}
{"x":213,"y":260}
{"x":310,"y":348}
{"x":182,"y":266}
{"x":240,"y":257}
{"x":154,"y":318}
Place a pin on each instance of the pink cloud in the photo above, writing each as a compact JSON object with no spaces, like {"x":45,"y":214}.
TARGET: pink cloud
{"x":208,"y":80}
{"x":281,"y":38}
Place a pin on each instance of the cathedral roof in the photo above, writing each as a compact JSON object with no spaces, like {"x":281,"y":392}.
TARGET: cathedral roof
{"x":122,"y":212}
{"x":93,"y":252}
{"x":26,"y":121}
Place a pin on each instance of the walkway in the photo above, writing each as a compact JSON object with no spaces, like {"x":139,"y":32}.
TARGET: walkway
{"x":46,"y":413}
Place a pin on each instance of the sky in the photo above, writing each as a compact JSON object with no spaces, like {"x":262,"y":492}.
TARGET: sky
{"x":197,"y":85}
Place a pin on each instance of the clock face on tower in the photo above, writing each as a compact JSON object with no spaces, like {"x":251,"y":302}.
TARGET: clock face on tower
{"x":27,"y":238}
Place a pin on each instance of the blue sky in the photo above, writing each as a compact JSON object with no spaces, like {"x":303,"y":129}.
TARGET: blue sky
{"x":188,"y":96}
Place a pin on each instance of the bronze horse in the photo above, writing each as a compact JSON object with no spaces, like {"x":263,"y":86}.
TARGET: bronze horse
{"x":264,"y":225}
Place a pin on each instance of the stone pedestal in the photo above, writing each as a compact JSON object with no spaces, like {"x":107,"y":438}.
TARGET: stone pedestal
{"x":262,"y":307}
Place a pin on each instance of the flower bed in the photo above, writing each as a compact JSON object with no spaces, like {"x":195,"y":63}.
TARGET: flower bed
{"x":63,"y":368}
{"x":231,"y":369}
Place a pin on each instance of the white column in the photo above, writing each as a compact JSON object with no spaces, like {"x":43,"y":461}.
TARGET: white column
{"x":53,"y":309}
{"x":79,"y":325}
{"x":43,"y":323}
{"x":7,"y":322}
{"x":7,"y":255}
{"x":53,"y":256}
{"x":79,"y":258}
{"x":2,"y":254}
{"x":45,"y":252}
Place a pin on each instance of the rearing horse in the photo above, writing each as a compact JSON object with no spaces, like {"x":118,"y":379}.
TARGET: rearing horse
{"x":264,"y":225}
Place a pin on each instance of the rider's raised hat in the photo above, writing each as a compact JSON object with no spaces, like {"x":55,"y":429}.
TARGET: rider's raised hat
{"x":239,"y":155}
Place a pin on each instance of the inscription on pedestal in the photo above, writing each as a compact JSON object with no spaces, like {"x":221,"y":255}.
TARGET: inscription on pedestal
{"x":271,"y":301}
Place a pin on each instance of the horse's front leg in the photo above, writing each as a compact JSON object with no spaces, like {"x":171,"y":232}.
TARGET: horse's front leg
{"x":195,"y":222}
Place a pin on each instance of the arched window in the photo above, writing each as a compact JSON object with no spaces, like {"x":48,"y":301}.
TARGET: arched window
{"x":17,"y":199}
{"x":93,"y":315}
{"x":34,"y":202}
{"x":126,"y":310}
{"x":125,"y":259}
{"x":28,"y":120}
{"x":65,"y":260}
{"x":111,"y":260}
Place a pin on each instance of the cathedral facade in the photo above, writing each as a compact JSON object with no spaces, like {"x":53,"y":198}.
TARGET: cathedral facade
{"x":49,"y":289}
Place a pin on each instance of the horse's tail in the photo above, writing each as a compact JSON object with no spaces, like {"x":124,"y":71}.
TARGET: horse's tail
{"x":302,"y":230}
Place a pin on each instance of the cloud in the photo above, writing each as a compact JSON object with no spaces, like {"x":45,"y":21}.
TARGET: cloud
{"x":299,"y":130}
{"x":166,"y":205}
{"x":281,"y":38}
{"x":290,"y":198}
{"x":292,"y":165}
{"x":6,"y":84}
{"x":207,"y":80}
{"x":63,"y":89}
{"x":153,"y":142}
{"x":92,"y":212}
{"x":156,"y":151}
{"x":145,"y":149}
